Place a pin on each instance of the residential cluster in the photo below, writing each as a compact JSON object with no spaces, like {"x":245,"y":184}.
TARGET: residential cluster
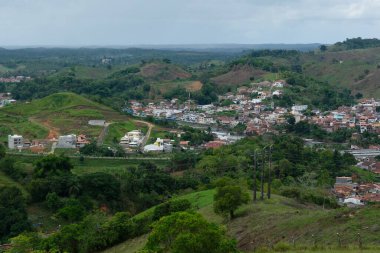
{"x":14,"y":79}
{"x":362,"y":115}
{"x":354,"y":194}
{"x":18,"y":142}
{"x":249,"y":106}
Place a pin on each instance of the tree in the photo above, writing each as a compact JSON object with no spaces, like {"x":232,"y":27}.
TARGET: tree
{"x":101,"y":186}
{"x":184,"y":232}
{"x":358,"y":95}
{"x":52,"y":165}
{"x":2,"y":151}
{"x":323,"y":48}
{"x":228,"y":198}
{"x":53,"y":202}
{"x":72,"y":211}
{"x":13,"y":216}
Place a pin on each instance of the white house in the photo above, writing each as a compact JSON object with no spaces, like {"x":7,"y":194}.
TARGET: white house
{"x":298,"y":108}
{"x":15,"y":141}
{"x":132,"y":138}
{"x":158,"y":146}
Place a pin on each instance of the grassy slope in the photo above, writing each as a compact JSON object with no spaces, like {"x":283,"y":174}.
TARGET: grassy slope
{"x":282,"y":220}
{"x":326,"y":66}
{"x":64,"y":112}
{"x":160,"y":72}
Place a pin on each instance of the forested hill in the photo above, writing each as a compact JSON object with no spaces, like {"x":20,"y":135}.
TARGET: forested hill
{"x":324,"y":78}
{"x":356,"y":43}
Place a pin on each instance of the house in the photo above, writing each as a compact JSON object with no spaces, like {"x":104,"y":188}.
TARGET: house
{"x":279,"y":84}
{"x":214,"y":144}
{"x":132,"y":138}
{"x":82,"y":141}
{"x":184,"y":144}
{"x":67,"y":141}
{"x":298,"y":108}
{"x":15,"y":141}
{"x":97,"y":122}
{"x":157,"y":146}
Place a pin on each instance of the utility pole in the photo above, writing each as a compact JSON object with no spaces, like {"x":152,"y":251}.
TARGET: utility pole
{"x":262,"y":175}
{"x":269,"y":172}
{"x":254,"y":176}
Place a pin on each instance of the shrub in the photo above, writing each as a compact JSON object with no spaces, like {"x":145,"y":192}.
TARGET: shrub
{"x":282,"y":247}
{"x":171,"y":207}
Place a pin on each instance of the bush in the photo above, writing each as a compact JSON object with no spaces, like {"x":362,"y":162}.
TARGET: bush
{"x":72,"y":211}
{"x":315,"y":196}
{"x":291,"y":192}
{"x":171,"y":207}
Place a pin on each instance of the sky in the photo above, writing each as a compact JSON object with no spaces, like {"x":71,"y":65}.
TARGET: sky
{"x":155,"y":22}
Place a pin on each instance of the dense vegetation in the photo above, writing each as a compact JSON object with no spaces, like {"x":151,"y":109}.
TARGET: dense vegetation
{"x":356,"y":43}
{"x":84,"y":202}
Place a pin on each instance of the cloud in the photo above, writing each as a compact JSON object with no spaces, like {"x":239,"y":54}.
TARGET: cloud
{"x":124,"y":22}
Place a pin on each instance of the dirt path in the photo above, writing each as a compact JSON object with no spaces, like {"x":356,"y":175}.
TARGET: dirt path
{"x":53,"y":131}
{"x":103,"y":134}
{"x":147,"y":136}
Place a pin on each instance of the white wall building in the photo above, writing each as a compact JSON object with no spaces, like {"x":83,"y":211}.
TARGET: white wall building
{"x":15,"y":141}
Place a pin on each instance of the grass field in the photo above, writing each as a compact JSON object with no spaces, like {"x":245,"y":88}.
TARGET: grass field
{"x":281,"y":221}
{"x":91,"y":165}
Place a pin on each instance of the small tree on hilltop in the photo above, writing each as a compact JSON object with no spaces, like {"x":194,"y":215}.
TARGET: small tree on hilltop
{"x":184,"y":232}
{"x":229,"y":197}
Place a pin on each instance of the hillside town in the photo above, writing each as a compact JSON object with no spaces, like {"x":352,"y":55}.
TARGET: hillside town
{"x":254,"y":108}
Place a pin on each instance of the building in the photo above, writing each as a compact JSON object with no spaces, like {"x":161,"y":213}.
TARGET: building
{"x":67,"y":141}
{"x":157,"y":146}
{"x":132,"y":138}
{"x":81,"y":141}
{"x":97,"y":122}
{"x":15,"y":141}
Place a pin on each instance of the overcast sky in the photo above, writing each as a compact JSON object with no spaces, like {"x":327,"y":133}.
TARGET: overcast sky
{"x":131,"y":22}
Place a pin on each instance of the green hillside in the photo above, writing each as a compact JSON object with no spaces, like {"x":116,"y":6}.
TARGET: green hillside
{"x":59,"y":113}
{"x":358,"y":70}
{"x":270,"y":223}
